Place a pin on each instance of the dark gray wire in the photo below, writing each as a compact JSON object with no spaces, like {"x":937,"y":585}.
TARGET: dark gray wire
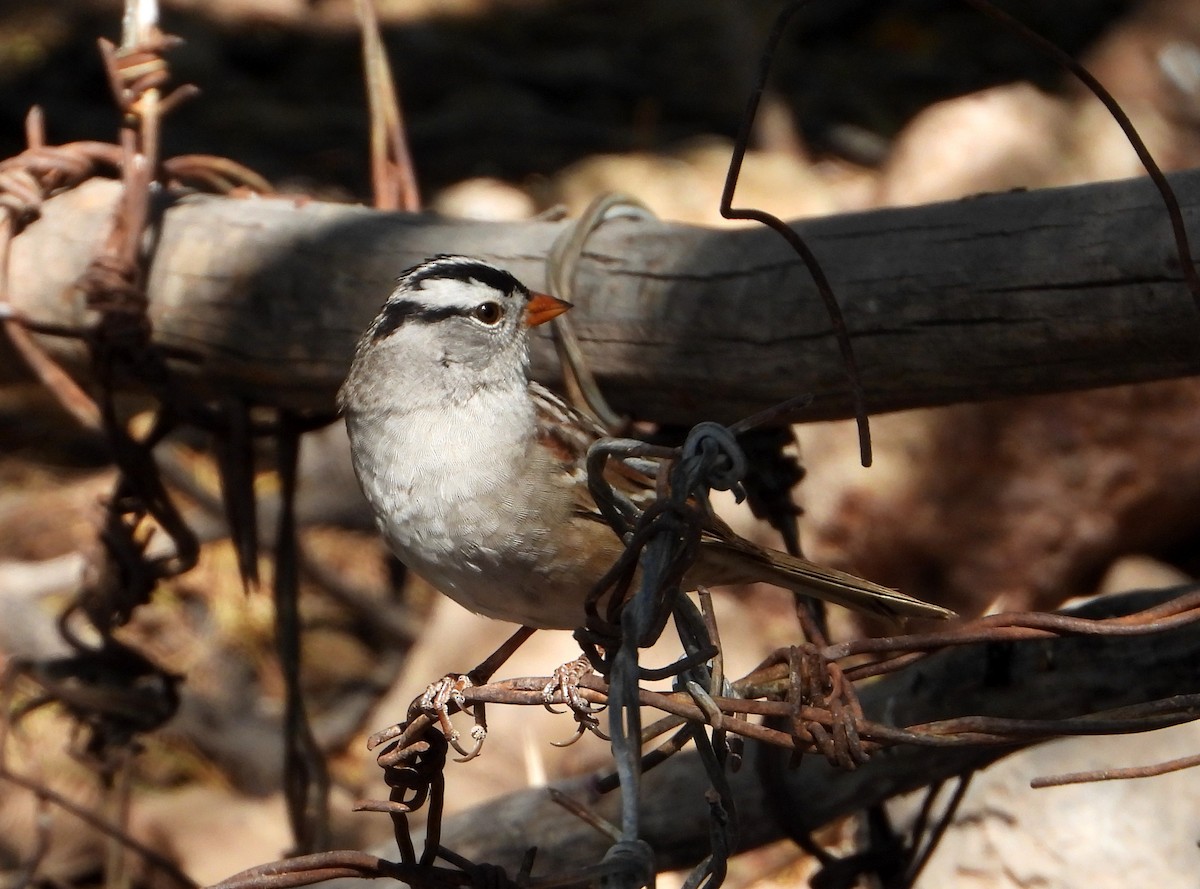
{"x":710,"y":458}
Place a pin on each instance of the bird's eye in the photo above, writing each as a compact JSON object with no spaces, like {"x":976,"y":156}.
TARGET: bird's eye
{"x":489,"y":313}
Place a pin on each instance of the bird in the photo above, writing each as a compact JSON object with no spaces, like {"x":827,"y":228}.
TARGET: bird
{"x":476,"y":473}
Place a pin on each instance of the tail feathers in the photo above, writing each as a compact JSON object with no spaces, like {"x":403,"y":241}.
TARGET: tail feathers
{"x":739,"y":561}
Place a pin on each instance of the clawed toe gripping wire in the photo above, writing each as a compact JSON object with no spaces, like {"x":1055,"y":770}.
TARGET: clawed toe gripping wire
{"x":805,"y":694}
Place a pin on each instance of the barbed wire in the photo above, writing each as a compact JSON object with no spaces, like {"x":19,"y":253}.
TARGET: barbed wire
{"x":804,"y":693}
{"x":807,"y":688}
{"x":114,"y":693}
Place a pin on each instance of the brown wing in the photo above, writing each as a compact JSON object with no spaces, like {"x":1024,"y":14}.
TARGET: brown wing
{"x":568,"y":433}
{"x":725,"y":558}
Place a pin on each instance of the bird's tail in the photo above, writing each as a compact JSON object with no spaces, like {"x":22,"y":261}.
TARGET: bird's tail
{"x":738,"y":561}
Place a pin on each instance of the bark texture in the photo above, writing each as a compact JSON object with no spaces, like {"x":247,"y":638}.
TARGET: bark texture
{"x":997,"y":295}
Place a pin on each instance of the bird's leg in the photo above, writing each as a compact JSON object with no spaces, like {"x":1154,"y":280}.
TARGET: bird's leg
{"x":450,"y":692}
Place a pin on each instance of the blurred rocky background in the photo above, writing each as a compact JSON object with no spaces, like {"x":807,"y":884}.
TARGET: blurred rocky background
{"x":515,"y":107}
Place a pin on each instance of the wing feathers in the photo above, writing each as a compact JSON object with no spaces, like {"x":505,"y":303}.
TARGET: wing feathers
{"x":725,"y":557}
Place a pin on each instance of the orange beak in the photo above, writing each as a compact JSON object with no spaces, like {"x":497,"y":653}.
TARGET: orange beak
{"x":542,"y":307}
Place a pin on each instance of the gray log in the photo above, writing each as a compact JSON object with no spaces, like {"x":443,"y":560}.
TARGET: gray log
{"x":997,"y":295}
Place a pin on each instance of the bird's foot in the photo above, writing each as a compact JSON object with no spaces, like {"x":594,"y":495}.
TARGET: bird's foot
{"x":443,"y":697}
{"x":563,"y":687}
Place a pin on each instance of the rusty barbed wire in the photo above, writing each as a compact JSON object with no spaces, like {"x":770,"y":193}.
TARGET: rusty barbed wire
{"x":1066,"y":63}
{"x":764,"y":691}
{"x":773,"y":689}
{"x":304,"y":870}
{"x":111,"y":692}
{"x":124,"y":574}
{"x":795,"y":241}
{"x":1118,"y":774}
{"x":809,"y":688}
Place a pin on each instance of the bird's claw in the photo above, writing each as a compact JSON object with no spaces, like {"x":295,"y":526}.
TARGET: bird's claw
{"x":436,"y":702}
{"x":564,"y":687}
{"x":564,"y":684}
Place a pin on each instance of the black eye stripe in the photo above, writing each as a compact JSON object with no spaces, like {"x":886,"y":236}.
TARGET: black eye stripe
{"x":397,"y":313}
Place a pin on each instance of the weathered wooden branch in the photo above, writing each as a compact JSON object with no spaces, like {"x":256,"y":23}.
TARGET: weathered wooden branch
{"x":996,"y":295}
{"x":1071,"y":676}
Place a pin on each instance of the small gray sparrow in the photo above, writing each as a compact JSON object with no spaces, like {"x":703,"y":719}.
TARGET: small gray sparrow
{"x":476,"y":473}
